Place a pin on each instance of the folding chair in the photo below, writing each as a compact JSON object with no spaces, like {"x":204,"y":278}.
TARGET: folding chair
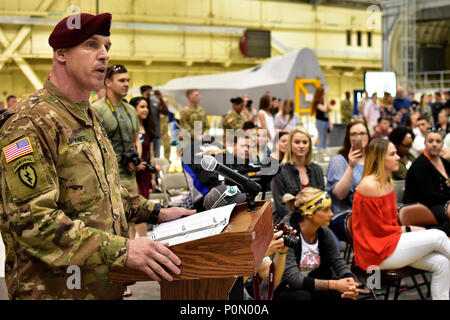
{"x":390,"y":277}
{"x":416,"y":214}
{"x":172,"y":181}
{"x":399,"y":189}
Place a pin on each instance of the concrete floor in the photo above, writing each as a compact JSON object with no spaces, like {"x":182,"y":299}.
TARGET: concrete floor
{"x":149,"y":290}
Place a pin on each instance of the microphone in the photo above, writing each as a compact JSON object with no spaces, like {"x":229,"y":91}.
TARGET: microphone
{"x":223,"y":195}
{"x":209,"y":163}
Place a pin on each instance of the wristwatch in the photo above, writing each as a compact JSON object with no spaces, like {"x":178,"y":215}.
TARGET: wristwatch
{"x":408,"y":228}
{"x":154,"y":217}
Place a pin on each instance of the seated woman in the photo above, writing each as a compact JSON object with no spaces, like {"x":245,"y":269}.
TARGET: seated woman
{"x":287,"y":119}
{"x":378,"y":239}
{"x":270,"y":271}
{"x":402,"y":138}
{"x":279,"y":146}
{"x":428,"y":180}
{"x":443,"y":122}
{"x":308,"y":270}
{"x":344,"y":173}
{"x":297,"y":172}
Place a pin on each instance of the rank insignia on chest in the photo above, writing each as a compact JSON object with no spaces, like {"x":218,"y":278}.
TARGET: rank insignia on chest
{"x":27,"y":175}
{"x":17,"y":149}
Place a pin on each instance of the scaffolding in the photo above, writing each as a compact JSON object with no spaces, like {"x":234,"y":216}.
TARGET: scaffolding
{"x":408,"y":50}
{"x":400,"y":18}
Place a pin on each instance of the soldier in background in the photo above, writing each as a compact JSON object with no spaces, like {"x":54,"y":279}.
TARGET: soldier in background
{"x":346,"y":109}
{"x":233,"y":118}
{"x":61,"y":203}
{"x":192,"y":113}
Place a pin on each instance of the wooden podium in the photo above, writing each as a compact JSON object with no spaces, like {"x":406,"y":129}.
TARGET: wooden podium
{"x":209,"y":266}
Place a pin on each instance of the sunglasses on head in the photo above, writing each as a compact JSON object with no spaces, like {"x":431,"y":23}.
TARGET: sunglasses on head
{"x":118,"y":68}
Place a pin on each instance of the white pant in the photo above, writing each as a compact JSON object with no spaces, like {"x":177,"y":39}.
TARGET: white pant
{"x":426,"y":250}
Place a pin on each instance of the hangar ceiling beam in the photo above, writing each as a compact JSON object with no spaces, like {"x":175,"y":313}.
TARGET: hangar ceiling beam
{"x":12,"y":47}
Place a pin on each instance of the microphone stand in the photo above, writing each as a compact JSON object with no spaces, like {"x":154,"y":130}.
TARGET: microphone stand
{"x":250,"y":202}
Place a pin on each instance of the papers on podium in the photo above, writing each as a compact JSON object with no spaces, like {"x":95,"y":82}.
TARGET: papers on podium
{"x":198,"y":226}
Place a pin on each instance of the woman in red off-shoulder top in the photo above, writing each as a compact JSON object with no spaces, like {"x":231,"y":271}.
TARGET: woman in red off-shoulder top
{"x":379,"y":240}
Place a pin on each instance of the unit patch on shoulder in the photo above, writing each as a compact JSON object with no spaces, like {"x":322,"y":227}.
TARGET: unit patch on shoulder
{"x":17,"y":149}
{"x":27,"y":175}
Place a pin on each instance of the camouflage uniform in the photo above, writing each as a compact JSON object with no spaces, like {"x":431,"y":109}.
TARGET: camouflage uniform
{"x":61,"y":204}
{"x":129,"y":127}
{"x":189,"y":115}
{"x":346,"y":112}
{"x":233,"y":120}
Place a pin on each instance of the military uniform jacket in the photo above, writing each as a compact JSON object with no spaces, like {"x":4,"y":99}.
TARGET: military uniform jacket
{"x":189,"y":115}
{"x":233,"y":120}
{"x":61,"y":204}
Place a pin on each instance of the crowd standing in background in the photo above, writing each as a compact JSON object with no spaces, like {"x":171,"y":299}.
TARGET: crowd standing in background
{"x":399,"y":138}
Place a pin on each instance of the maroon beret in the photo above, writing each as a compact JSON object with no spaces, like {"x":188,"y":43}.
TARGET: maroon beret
{"x":75,"y":29}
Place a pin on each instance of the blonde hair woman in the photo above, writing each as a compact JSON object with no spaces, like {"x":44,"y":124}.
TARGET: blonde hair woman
{"x":308,"y":267}
{"x":297,"y":171}
{"x":379,"y":240}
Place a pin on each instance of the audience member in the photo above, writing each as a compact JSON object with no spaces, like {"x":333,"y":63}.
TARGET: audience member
{"x":378,"y":239}
{"x":436,"y":107}
{"x":287,"y":119}
{"x":122,"y":126}
{"x":346,"y":109}
{"x":447,"y":100}
{"x":372,"y":112}
{"x":166,"y":138}
{"x":145,"y":179}
{"x":193,"y":113}
{"x":419,"y":141}
{"x":344,"y":173}
{"x":396,"y":120}
{"x":310,"y":266}
{"x":402,"y":104}
{"x":274,"y":106}
{"x":320,"y":110}
{"x":249,"y":113}
{"x":233,"y":119}
{"x":428,"y":180}
{"x":387,"y":109}
{"x":271,"y":270}
{"x":11,"y":101}
{"x":158,"y":108}
{"x":414,"y":104}
{"x":265,"y":118}
{"x":443,"y":122}
{"x":382,"y":128}
{"x":362,"y":104}
{"x":411,"y":121}
{"x":402,"y":138}
{"x":279,"y":146}
{"x":297,"y":171}
{"x":2,"y":107}
{"x":424,"y":107}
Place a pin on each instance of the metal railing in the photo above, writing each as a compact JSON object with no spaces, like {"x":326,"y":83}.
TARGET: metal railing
{"x":433,"y":80}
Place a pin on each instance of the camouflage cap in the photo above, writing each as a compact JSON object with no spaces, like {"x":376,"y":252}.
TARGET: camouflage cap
{"x":75,"y":29}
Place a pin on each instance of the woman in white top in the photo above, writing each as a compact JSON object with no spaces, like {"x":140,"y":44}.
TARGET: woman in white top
{"x":287,"y":119}
{"x":265,"y":119}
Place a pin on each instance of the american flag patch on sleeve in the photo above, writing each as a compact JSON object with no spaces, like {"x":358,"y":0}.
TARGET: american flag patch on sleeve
{"x":17,"y":149}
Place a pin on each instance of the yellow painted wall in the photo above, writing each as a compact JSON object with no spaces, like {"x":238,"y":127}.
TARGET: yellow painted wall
{"x":156,"y":56}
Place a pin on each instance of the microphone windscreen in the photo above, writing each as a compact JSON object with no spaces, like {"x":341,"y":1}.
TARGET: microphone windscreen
{"x":215,"y":193}
{"x":208,"y":163}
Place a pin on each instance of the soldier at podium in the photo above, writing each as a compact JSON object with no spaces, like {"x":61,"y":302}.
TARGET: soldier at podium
{"x":61,"y":207}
